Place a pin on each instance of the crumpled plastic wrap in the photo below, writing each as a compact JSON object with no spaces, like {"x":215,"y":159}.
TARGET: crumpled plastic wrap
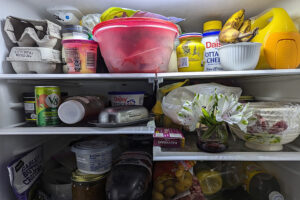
{"x":90,"y":21}
{"x":172,"y":103}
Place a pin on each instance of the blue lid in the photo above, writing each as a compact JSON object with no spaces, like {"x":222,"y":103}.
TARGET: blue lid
{"x":125,"y":93}
{"x":211,"y":33}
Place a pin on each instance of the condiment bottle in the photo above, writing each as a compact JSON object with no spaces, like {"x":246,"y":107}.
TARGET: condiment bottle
{"x":190,"y":53}
{"x":211,"y":31}
{"x":77,"y":108}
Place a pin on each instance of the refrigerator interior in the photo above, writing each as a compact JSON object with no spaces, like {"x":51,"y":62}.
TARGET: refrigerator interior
{"x":283,"y":88}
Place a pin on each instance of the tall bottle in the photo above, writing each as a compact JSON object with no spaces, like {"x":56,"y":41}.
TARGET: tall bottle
{"x":261,"y":185}
{"x":76,"y":109}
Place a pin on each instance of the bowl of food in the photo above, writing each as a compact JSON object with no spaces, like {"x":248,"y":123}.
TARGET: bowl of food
{"x":273,"y":124}
{"x":239,"y":56}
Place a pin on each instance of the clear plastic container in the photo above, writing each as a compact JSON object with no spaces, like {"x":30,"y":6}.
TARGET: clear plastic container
{"x":136,"y":45}
{"x":81,"y":56}
{"x":94,"y":156}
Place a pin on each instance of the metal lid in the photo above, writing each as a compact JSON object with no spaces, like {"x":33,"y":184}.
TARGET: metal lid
{"x":189,"y":35}
{"x":78,"y":176}
{"x":75,"y":28}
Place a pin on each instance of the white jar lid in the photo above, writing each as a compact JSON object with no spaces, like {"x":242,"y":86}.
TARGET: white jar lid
{"x":92,"y":146}
{"x":71,"y":112}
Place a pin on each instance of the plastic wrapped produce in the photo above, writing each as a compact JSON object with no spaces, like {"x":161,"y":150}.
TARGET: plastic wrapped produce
{"x":274,"y":124}
{"x":130,"y":177}
{"x":172,"y":103}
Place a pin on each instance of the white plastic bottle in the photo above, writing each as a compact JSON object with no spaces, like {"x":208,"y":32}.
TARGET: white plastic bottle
{"x":76,"y":109}
{"x":211,"y":31}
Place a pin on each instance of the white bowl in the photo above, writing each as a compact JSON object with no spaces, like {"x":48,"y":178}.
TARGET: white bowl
{"x":276,"y":124}
{"x":239,"y":56}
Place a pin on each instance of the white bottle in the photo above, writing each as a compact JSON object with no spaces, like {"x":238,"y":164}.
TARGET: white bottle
{"x":76,"y":109}
{"x":211,"y":31}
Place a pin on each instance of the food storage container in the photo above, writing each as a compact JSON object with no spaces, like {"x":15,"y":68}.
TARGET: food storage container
{"x":39,"y":60}
{"x":136,"y":45}
{"x":126,"y":98}
{"x":81,"y":56}
{"x":88,"y":186}
{"x":94,"y":156}
{"x":274,"y":124}
{"x":239,"y":56}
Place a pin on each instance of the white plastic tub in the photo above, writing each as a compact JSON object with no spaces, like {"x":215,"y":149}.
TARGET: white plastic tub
{"x":126,"y":98}
{"x":93,"y":156}
{"x":39,"y":60}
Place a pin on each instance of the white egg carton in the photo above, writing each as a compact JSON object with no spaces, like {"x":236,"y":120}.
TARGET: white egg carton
{"x":26,"y":60}
{"x":29,"y":33}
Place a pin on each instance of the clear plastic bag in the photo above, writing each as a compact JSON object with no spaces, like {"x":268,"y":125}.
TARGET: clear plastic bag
{"x":172,"y":103}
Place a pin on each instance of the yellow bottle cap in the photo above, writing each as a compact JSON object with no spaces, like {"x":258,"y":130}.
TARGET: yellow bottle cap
{"x":212,"y":25}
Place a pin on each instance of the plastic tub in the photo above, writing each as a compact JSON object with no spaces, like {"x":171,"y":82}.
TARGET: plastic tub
{"x":239,"y":56}
{"x":136,"y":45}
{"x":81,"y":56}
{"x":93,"y":156}
{"x":126,"y":98}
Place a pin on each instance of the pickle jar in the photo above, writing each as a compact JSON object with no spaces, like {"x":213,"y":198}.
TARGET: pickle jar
{"x":88,"y":186}
{"x":190,"y":53}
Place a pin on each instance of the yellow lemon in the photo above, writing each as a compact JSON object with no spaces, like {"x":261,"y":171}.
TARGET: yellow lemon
{"x":210,"y":181}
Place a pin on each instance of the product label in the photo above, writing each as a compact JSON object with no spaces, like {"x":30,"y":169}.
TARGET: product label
{"x":25,"y":171}
{"x":126,"y":100}
{"x":211,"y":54}
{"x":183,"y":62}
{"x":47,"y":102}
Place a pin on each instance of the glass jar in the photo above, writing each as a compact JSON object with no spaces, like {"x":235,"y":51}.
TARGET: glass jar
{"x":213,"y":139}
{"x":211,"y":31}
{"x":190,"y":53}
{"x":88,"y":186}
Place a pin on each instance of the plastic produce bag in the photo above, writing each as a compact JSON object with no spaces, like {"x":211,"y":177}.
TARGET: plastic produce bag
{"x":90,"y":21}
{"x":116,"y":12}
{"x":172,"y":103}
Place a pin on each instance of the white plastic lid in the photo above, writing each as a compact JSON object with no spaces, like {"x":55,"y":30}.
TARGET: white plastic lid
{"x":275,"y":196}
{"x":92,"y":146}
{"x":71,"y":112}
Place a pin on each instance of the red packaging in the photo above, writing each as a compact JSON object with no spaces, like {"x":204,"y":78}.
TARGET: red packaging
{"x":168,"y":137}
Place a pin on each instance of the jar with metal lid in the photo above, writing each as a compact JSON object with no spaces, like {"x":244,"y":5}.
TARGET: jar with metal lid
{"x":190,"y":53}
{"x":88,"y":186}
{"x":29,"y":108}
{"x":211,"y":31}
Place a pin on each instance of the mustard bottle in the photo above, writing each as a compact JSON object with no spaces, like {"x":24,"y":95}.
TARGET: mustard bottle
{"x":190,"y":53}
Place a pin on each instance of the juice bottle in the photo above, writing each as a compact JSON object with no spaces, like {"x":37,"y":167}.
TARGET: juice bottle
{"x":260,"y":184}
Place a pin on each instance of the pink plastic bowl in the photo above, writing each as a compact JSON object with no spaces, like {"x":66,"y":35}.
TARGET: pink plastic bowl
{"x":136,"y":45}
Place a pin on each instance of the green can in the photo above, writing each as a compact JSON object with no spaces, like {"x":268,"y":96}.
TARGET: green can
{"x":47,"y":100}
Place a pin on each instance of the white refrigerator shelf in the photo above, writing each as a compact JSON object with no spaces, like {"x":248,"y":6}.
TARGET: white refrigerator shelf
{"x":236,"y":152}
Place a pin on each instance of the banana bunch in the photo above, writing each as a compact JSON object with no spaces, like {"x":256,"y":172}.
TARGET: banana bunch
{"x":236,"y":29}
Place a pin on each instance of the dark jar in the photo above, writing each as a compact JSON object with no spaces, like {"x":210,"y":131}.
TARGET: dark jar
{"x":213,"y":139}
{"x":88,"y":186}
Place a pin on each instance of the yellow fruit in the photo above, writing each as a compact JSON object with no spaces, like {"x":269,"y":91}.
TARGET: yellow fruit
{"x":246,"y":27}
{"x":229,"y":35}
{"x":210,"y":181}
{"x":169,"y":183}
{"x":179,"y":186}
{"x":179,"y":173}
{"x":169,"y":192}
{"x":236,"y":20}
{"x":188,"y":175}
{"x":187,"y":183}
{"x":158,"y":186}
{"x":157,"y":196}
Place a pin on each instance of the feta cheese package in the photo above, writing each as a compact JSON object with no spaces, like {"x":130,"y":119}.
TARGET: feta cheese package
{"x":24,"y":172}
{"x":168,"y":138}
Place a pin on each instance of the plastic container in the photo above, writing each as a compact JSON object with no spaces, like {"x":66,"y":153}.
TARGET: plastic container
{"x":72,"y":32}
{"x":88,"y":186}
{"x":81,"y":56}
{"x":239,"y":56}
{"x":26,"y":60}
{"x":136,"y":45}
{"x":29,"y":108}
{"x":75,"y":109}
{"x":126,"y":98}
{"x":275,"y":124}
{"x":93,"y":156}
{"x":211,"y":31}
{"x":190,"y":53}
